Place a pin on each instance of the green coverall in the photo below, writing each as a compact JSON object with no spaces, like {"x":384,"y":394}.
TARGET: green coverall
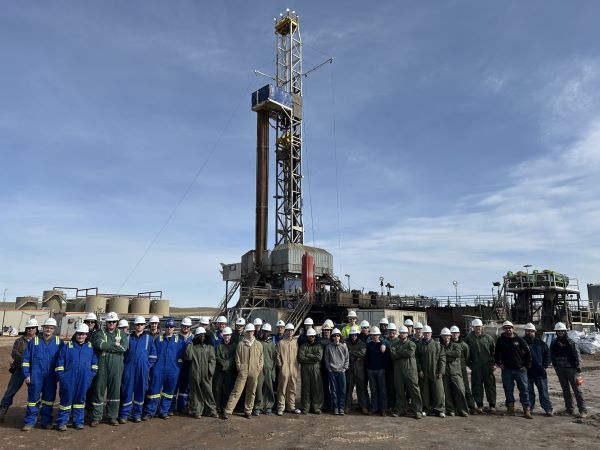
{"x":265,"y":394}
{"x":406,"y":378}
{"x":225,"y":373}
{"x":202,"y":369}
{"x":481,"y":361}
{"x":454,"y":387}
{"x":309,"y":357}
{"x":464,"y":358}
{"x":110,"y":371}
{"x":432,"y":362}
{"x":356,"y":374}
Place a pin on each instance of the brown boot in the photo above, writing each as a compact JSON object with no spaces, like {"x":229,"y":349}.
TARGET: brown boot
{"x":3,"y":412}
{"x":510,"y":410}
{"x":527,"y":412}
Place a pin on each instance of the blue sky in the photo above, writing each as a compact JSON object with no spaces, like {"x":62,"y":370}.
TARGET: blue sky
{"x":448,"y":141}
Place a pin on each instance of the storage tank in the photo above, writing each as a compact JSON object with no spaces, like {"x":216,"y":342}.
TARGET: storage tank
{"x":120,"y":305}
{"x":308,"y":273}
{"x":49,"y":294}
{"x":27,"y":302}
{"x":95,"y":304}
{"x":140,"y":305}
{"x":160,"y":307}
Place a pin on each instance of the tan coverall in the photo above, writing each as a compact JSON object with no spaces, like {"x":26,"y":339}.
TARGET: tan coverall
{"x":249,"y":362}
{"x":287,"y":361}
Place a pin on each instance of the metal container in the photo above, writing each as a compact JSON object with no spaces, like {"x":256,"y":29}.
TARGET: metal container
{"x":119,"y":305}
{"x":594,"y":295}
{"x":160,"y":307}
{"x":27,"y":302}
{"x":76,"y":305}
{"x":49,"y":294}
{"x":287,"y":258}
{"x":397,"y":316}
{"x":140,"y":306}
{"x":95,"y":304}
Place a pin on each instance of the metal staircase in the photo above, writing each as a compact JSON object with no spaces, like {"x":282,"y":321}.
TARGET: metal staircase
{"x":222,"y":310}
{"x":299,"y":313}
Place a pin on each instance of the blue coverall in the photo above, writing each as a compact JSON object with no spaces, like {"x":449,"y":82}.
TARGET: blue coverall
{"x":76,"y":367}
{"x":39,"y":362}
{"x":139,"y":358}
{"x":169,"y":352}
{"x":183,"y":383}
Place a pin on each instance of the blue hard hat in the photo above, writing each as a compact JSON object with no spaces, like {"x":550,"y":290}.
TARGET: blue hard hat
{"x":170,"y":323}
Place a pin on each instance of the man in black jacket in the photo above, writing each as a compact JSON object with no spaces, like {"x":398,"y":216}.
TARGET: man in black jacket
{"x":514,"y":358}
{"x":536,"y":374}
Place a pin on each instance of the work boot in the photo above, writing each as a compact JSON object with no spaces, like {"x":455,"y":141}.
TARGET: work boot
{"x":342,"y":412}
{"x":492,"y":409}
{"x":527,"y":412}
{"x":510,"y":410}
{"x":94,"y":423}
{"x":279,"y":412}
{"x":248,"y":415}
{"x":79,"y":426}
{"x":256,"y":412}
{"x":549,"y":414}
{"x":122,"y":420}
{"x":365,"y":411}
{"x":463,"y":414}
{"x":479,"y":410}
{"x":61,"y":428}
{"x":113,"y":422}
{"x":3,"y":412}
{"x":224,"y":416}
{"x":336,"y":412}
{"x":26,"y":428}
{"x":582,"y":414}
{"x":317,"y":411}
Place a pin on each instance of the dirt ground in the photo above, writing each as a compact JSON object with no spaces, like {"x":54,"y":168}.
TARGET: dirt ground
{"x":272,"y":432}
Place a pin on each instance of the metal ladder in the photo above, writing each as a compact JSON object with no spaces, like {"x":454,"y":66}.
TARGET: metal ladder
{"x":226,"y":298}
{"x":297,"y":316}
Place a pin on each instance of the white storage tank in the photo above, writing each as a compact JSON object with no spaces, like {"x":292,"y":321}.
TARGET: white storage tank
{"x":120,"y":305}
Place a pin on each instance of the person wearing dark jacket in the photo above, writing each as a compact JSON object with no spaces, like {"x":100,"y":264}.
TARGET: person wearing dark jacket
{"x":514,"y":358}
{"x":536,"y":374}
{"x":376,"y":362}
{"x":567,"y":364}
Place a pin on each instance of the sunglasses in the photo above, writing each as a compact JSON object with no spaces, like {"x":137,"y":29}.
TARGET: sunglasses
{"x":529,"y":331}
{"x":89,"y":321}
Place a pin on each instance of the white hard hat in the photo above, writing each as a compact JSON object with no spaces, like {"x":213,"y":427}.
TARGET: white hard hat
{"x":409,"y":323}
{"x":335,"y":331}
{"x":154,"y":319}
{"x":445,"y":332}
{"x":352,"y":314}
{"x":266,"y":327}
{"x":82,"y":328}
{"x":112,"y":317}
{"x":311,"y":332}
{"x":290,"y":326}
{"x":384,"y":321}
{"x":426,"y":329}
{"x":529,"y":326}
{"x":186,"y":322}
{"x":308,"y":321}
{"x":364,"y":324}
{"x":204,"y":320}
{"x":257,"y":321}
{"x":375,"y":330}
{"x":477,"y":323}
{"x":123,"y":323}
{"x":49,"y":322}
{"x":392,"y":327}
{"x":327,"y":325}
{"x":418,"y":326}
{"x":454,"y":329}
{"x":507,"y":323}
{"x":31,"y":323}
{"x":227,"y":330}
{"x":240,"y":321}
{"x":221,"y":319}
{"x":402,"y":329}
{"x":280,"y":323}
{"x":560,"y":327}
{"x":249,"y":327}
{"x":91,"y":316}
{"x":139,"y":320}
{"x":354,"y":330}
{"x":200,"y":330}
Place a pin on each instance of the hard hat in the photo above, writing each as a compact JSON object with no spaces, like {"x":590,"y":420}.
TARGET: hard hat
{"x":507,"y":323}
{"x":392,"y":327}
{"x":477,"y":323}
{"x":354,"y":330}
{"x":221,"y":319}
{"x":402,"y":329}
{"x":186,"y":322}
{"x":91,"y":316}
{"x":426,"y":329}
{"x":123,"y":323}
{"x":445,"y":332}
{"x":170,"y":323}
{"x":290,"y":326}
{"x":375,"y":330}
{"x":351,"y":314}
{"x":226,"y":330}
{"x":266,"y":327}
{"x":139,"y":320}
{"x":308,"y":321}
{"x":82,"y":328}
{"x":240,"y":322}
{"x":204,"y":320}
{"x":327,"y":325}
{"x":529,"y":326}
{"x":409,"y":323}
{"x":364,"y":324}
{"x":154,"y":319}
{"x":311,"y":332}
{"x":418,"y":326}
{"x":336,"y":331}
{"x":560,"y":327}
{"x":31,"y":323}
{"x":384,"y":321}
{"x":200,"y":330}
{"x":249,"y":327}
{"x":280,"y":323}
{"x":49,"y":322}
{"x":112,"y":317}
{"x":454,"y":329}
{"x":257,"y":321}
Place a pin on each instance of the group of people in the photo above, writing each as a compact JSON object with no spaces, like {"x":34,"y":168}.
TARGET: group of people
{"x":123,"y":376}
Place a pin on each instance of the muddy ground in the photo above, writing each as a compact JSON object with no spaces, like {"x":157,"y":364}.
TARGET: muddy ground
{"x":272,"y":432}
